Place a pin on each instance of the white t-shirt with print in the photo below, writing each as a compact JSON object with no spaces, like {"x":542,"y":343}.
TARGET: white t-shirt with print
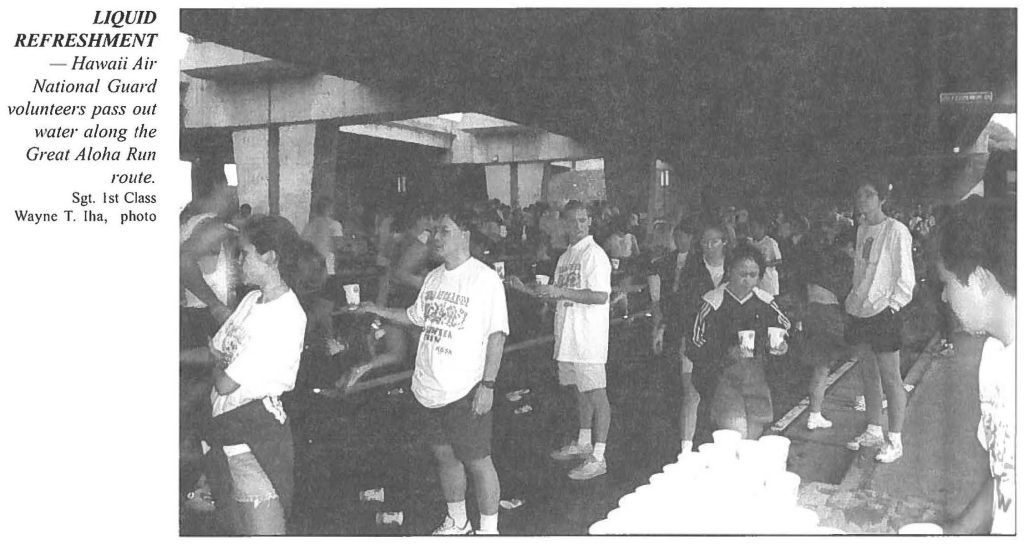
{"x":581,"y":331}
{"x":320,"y":231}
{"x":458,"y":310}
{"x":263,"y":342}
{"x":996,"y":393}
{"x":883,"y":269}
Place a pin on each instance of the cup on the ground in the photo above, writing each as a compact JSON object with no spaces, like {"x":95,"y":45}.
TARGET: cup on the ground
{"x":783,"y":488}
{"x":921,"y":529}
{"x":499,"y":267}
{"x":542,"y":279}
{"x":615,"y":264}
{"x":351,"y":294}
{"x":776,"y":337}
{"x":746,"y":343}
{"x":390,"y":518}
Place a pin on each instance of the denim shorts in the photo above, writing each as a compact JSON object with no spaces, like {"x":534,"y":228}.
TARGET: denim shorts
{"x":251,"y":483}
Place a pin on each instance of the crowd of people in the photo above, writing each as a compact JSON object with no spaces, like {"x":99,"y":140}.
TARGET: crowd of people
{"x":265,"y":307}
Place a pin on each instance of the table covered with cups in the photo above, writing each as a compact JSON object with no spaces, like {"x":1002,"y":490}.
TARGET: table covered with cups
{"x":729,"y":486}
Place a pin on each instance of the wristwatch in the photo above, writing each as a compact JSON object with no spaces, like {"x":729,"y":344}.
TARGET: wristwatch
{"x":487,"y":384}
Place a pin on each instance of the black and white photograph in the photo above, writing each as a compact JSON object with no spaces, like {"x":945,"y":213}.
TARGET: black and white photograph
{"x":593,"y":271}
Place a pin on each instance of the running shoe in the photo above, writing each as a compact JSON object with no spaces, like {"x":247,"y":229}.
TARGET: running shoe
{"x":589,"y":469}
{"x":572,"y":451}
{"x":866,"y":439}
{"x":449,"y":528}
{"x":889,"y":453}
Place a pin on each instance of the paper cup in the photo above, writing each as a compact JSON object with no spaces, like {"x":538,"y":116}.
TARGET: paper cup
{"x":352,"y":294}
{"x":746,"y":343}
{"x":783,"y":488}
{"x":499,"y":267}
{"x":542,"y":279}
{"x":615,"y":264}
{"x":776,"y":450}
{"x":921,"y":529}
{"x":775,"y":337}
{"x":729,"y":439}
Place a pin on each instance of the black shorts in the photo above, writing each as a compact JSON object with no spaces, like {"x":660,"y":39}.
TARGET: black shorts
{"x":457,"y":425}
{"x":883,"y":331}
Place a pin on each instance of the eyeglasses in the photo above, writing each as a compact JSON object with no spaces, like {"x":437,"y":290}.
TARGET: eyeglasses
{"x":712,"y":242}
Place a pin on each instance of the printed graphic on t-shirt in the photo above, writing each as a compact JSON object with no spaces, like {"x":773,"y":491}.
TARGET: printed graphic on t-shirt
{"x":443,"y":312}
{"x":866,"y":254}
{"x":568,"y":276}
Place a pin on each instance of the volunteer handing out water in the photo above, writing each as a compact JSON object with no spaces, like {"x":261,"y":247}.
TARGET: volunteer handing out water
{"x":461,"y":308}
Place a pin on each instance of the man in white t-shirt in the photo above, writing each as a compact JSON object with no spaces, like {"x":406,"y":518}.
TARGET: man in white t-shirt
{"x":977,"y":264}
{"x":581,"y":288}
{"x":462,"y":311}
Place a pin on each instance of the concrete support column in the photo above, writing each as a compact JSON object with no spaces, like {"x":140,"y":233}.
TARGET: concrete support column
{"x":629,"y":178}
{"x":499,"y":182}
{"x":296,"y":156}
{"x":530,"y":182}
{"x":253,"y":164}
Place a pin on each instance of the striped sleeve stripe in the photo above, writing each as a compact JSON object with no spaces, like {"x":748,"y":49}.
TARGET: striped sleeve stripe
{"x":700,"y":324}
{"x":782,"y":317}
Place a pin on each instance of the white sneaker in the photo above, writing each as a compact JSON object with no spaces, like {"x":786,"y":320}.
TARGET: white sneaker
{"x":866,"y":439}
{"x":449,"y":528}
{"x":572,"y":451}
{"x":860,"y":405}
{"x":589,"y":469}
{"x":889,"y":453}
{"x":483,"y":533}
{"x":816,"y":421}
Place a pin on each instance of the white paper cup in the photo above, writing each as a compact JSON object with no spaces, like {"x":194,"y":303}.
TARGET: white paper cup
{"x":352,"y":294}
{"x":783,"y":488}
{"x":729,"y":439}
{"x":542,"y":279}
{"x":775,"y":337}
{"x":615,"y":264}
{"x":747,"y":343}
{"x":921,"y":529}
{"x":776,"y":450}
{"x":499,"y":267}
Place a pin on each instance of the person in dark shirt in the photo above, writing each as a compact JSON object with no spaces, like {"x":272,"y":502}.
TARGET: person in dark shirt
{"x":825,"y":278}
{"x":741,"y":399}
{"x":701,"y":272}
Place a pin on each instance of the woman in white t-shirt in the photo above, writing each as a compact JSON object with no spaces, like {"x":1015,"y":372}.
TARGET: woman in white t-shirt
{"x":255,"y":355}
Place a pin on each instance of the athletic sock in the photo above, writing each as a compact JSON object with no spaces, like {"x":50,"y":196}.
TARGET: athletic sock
{"x":488,"y":523}
{"x":896,"y":439}
{"x":875,"y":429}
{"x":457,"y":511}
{"x":599,"y":451}
{"x":584,"y":438}
{"x":687,"y":446}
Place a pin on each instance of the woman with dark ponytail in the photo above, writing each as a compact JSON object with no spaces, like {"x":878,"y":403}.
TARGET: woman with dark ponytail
{"x":255,"y":356}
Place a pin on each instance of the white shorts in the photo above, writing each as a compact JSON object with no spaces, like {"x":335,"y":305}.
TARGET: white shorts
{"x":585,"y":376}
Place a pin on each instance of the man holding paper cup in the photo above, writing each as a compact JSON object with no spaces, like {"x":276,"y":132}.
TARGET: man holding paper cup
{"x":737,"y":327}
{"x":462,"y":311}
{"x":581,"y":289}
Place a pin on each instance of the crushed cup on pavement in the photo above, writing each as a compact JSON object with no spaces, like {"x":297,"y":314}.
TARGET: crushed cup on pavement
{"x":523,"y":410}
{"x":511,"y":504}
{"x":374,"y":494}
{"x":517,"y":394}
{"x":390,"y":518}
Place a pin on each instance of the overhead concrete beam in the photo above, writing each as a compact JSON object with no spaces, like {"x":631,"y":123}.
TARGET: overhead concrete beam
{"x":517,"y":147}
{"x":238,"y":104}
{"x":209,"y":60}
{"x":404,"y":133}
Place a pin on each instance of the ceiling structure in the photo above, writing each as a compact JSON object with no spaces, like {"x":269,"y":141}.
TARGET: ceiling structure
{"x":828,"y":84}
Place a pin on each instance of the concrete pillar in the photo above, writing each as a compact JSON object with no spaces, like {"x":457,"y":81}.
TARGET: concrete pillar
{"x":296,"y":156}
{"x":531,"y":180}
{"x":629,"y":175}
{"x":498,"y":182}
{"x":253,"y":164}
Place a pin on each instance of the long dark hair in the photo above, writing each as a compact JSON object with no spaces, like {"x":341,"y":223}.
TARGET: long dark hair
{"x":301,"y":266}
